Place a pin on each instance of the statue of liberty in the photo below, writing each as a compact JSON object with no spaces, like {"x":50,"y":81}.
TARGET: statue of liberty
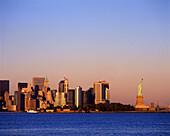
{"x":140,"y":88}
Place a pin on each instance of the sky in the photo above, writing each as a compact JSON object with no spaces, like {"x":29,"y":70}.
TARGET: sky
{"x":120,"y":41}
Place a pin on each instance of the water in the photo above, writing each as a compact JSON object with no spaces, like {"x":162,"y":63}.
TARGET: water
{"x":100,"y":124}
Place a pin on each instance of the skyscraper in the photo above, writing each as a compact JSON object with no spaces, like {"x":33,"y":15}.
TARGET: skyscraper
{"x":91,"y":95}
{"x":102,"y":92}
{"x":78,"y":96}
{"x":60,"y":99}
{"x":71,"y":97}
{"x":85,"y":97}
{"x":19,"y":97}
{"x":4,"y":86}
{"x":38,"y":81}
{"x":46,"y":86}
{"x":46,"y":82}
{"x":64,"y":85}
{"x":22,"y":85}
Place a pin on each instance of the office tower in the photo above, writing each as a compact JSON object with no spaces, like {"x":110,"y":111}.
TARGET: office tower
{"x":32,"y":104}
{"x":78,"y":96}
{"x":22,"y":85}
{"x":28,"y":102}
{"x":40,"y":94}
{"x":85,"y":97}
{"x":18,"y":95}
{"x":6,"y":99}
{"x":4,"y":86}
{"x":15,"y":97}
{"x":64,"y":85}
{"x":38,"y":81}
{"x":91,"y":95}
{"x":46,"y":87}
{"x":27,"y":89}
{"x":49,"y":97}
{"x":71,"y":97}
{"x":60,"y":99}
{"x":46,"y":82}
{"x":102,"y":92}
{"x":12,"y":99}
{"x":20,"y":99}
{"x":22,"y":102}
{"x":54,"y":94}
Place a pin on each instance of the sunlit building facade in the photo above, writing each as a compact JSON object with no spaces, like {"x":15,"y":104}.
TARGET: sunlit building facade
{"x":60,"y":99}
{"x":64,"y":85}
{"x":102,"y":92}
{"x":78,"y":96}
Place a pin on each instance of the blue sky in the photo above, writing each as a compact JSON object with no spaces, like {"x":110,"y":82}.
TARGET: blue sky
{"x":120,"y":41}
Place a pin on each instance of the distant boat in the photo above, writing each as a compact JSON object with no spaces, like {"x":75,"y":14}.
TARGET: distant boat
{"x":31,"y":111}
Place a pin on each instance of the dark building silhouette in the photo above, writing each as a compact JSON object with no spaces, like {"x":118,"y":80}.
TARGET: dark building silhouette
{"x":16,"y":98}
{"x":71,"y":97}
{"x":19,"y":99}
{"x":54,"y":94}
{"x":11,"y":98}
{"x":4,"y":86}
{"x":22,"y":102}
{"x":61,"y":86}
{"x":22,"y":85}
{"x":36,"y":90}
{"x":91,"y":95}
{"x":85,"y":97}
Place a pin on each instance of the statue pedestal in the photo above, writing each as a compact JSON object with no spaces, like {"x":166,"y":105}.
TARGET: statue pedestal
{"x":140,"y":104}
{"x":139,"y":100}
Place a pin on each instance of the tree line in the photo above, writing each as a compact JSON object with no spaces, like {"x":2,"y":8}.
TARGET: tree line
{"x":98,"y":107}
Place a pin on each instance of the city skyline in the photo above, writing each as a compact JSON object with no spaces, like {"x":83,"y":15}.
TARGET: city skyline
{"x":121,"y":42}
{"x":61,"y":80}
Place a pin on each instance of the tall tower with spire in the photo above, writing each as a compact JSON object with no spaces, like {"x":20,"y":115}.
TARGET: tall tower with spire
{"x":46,"y":86}
{"x":46,"y":82}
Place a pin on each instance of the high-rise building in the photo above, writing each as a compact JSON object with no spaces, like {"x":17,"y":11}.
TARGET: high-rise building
{"x":71,"y":97}
{"x":54,"y":94}
{"x":102,"y":92}
{"x":46,"y":82}
{"x":11,"y":98}
{"x":38,"y":81}
{"x":78,"y":96}
{"x":60,"y":99}
{"x":85,"y":97}
{"x":4,"y":86}
{"x":49,"y":97}
{"x":46,"y":87}
{"x":64,"y":85}
{"x":16,"y":98}
{"x":18,"y":95}
{"x":27,"y":89}
{"x":6,"y":99}
{"x":91,"y":95}
{"x":22,"y":85}
{"x":25,"y":100}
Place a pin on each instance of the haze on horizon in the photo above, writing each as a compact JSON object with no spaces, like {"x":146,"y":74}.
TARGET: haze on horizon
{"x":117,"y":41}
